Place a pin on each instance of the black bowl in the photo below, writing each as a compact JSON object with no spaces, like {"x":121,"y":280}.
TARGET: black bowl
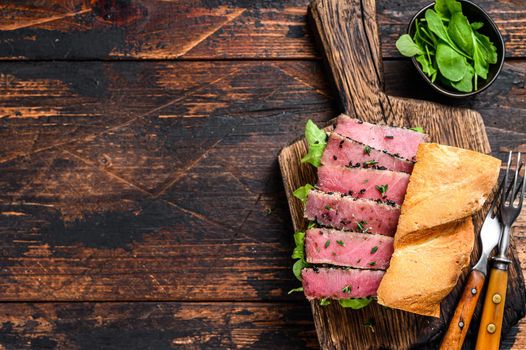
{"x":474,"y":14}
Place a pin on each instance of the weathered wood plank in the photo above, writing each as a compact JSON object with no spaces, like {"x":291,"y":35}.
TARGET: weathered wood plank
{"x":142,"y":194}
{"x":156,"y":29}
{"x":156,"y":326}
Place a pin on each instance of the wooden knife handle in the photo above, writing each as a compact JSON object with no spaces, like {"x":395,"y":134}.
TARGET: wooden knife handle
{"x":493,"y":312}
{"x":459,"y":324}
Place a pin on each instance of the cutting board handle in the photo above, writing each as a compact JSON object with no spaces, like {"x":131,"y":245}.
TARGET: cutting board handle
{"x":348,"y":33}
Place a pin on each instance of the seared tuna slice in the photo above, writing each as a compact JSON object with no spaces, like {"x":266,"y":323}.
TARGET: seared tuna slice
{"x":345,"y":212}
{"x":361,"y":250}
{"x":344,"y":151}
{"x":403,"y":142}
{"x":364,"y":183}
{"x":340,"y":283}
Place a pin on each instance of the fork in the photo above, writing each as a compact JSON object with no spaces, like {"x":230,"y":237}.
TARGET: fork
{"x":492,"y":315}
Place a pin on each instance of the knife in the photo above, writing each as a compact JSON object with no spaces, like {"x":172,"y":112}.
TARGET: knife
{"x":493,"y":312}
{"x":459,"y":324}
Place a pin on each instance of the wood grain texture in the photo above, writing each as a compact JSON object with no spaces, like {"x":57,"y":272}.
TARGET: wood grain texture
{"x":104,"y":29}
{"x":82,"y":326}
{"x":343,"y":35}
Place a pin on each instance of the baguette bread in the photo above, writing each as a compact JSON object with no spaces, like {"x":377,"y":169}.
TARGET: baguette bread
{"x":420,"y":275}
{"x":447,"y":184}
{"x":435,"y":233}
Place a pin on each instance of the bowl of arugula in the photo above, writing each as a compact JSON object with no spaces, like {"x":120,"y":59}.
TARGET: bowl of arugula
{"x":455,"y":46}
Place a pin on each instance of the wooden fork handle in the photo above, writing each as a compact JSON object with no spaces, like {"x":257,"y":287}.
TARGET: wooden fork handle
{"x":459,"y":324}
{"x":493,"y":312}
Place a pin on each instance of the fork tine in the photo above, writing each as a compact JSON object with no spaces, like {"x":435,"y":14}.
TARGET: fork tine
{"x":515,"y":177}
{"x":504,"y":193}
{"x":516,"y":193}
{"x":521,"y":198}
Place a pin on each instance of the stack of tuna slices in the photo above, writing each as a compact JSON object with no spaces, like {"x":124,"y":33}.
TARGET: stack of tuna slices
{"x":361,"y":183}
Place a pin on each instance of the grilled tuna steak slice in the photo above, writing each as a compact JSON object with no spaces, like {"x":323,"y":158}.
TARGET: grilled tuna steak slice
{"x":340,"y":283}
{"x":341,"y":150}
{"x":345,"y":212}
{"x":403,"y":142}
{"x":364,"y":183}
{"x":353,"y":249}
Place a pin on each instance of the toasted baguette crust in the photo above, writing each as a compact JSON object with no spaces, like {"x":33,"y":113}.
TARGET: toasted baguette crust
{"x":447,"y":185}
{"x":435,"y":234}
{"x":423,"y":273}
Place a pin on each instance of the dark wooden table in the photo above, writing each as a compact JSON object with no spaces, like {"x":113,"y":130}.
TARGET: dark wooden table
{"x":141,"y":205}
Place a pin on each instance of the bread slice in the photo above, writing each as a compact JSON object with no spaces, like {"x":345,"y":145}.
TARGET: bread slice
{"x":422,"y":274}
{"x":447,"y":185}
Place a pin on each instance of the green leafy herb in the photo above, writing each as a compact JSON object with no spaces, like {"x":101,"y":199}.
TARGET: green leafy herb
{"x":327,"y":243}
{"x":382,"y":189}
{"x":328,"y":207}
{"x":316,"y":141}
{"x":367,"y":150}
{"x":449,"y":48}
{"x":299,"y":251}
{"x":355,"y":303}
{"x":299,"y":289}
{"x":372,"y":263}
{"x":311,"y":225}
{"x":370,"y":162}
{"x":324,"y":302}
{"x":407,"y":46}
{"x":347,"y":289}
{"x":476,"y":25}
{"x":418,"y":129}
{"x":451,"y":64}
{"x":361,"y":225}
{"x":298,"y":266}
{"x":374,"y":249}
{"x":341,"y":243}
{"x":302,"y":192}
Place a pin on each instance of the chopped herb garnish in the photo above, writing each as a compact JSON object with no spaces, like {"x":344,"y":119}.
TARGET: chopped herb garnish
{"x":370,"y":324}
{"x":327,"y":243}
{"x":355,"y":303}
{"x":389,"y":137}
{"x":367,"y":150}
{"x":341,"y":243}
{"x":372,"y":263}
{"x":328,"y":207}
{"x":347,"y":289}
{"x":382,"y":189}
{"x":361,"y":225}
{"x":324,"y":302}
{"x":374,"y":249}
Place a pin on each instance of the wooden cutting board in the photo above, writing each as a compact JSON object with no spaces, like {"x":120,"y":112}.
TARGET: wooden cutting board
{"x":348,"y":34}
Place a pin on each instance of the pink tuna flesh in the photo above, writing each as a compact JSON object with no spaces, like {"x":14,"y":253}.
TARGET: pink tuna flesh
{"x":403,"y":142}
{"x":344,"y":151}
{"x":343,"y":248}
{"x":364,"y":183}
{"x":340,"y":283}
{"x":345,"y":212}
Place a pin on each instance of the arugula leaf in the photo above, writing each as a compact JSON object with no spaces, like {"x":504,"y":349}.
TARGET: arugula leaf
{"x":460,"y":32}
{"x":298,"y":266}
{"x":490,"y":51}
{"x":450,"y":64}
{"x":476,"y":25}
{"x":324,"y":302}
{"x":299,"y":249}
{"x":427,"y":65}
{"x":299,"y":289}
{"x":355,"y":303}
{"x":418,"y":129}
{"x":302,"y":192}
{"x":407,"y":46}
{"x":316,"y":141}
{"x":466,"y":83}
{"x":436,"y":26}
{"x":453,"y":6}
{"x":441,"y":8}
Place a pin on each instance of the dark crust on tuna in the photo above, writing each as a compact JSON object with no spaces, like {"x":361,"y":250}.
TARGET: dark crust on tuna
{"x":379,"y":150}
